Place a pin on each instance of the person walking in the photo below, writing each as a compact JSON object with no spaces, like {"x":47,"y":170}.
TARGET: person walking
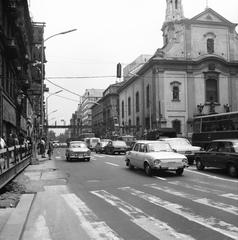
{"x":42,"y":147}
{"x":50,"y":149}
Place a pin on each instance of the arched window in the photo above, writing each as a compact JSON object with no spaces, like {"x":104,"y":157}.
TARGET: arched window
{"x":175,"y":93}
{"x":176,"y":4}
{"x":148,"y":96}
{"x":129,"y":122}
{"x":123,"y":130}
{"x":210,"y":45}
{"x":137,"y":121}
{"x":122,"y":109}
{"x":177,"y":126}
{"x":137,"y":102}
{"x":211,"y":90}
{"x":129,"y":106}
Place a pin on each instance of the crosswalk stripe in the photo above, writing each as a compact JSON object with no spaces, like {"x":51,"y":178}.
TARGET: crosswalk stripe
{"x":222,"y":227}
{"x":208,"y":202}
{"x":150,"y":224}
{"x":97,"y":230}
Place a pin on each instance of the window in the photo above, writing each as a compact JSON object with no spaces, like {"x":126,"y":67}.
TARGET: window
{"x":148,"y":96}
{"x":175,"y":90}
{"x":137,"y":121}
{"x":177,"y":126}
{"x":129,"y":106}
{"x":211,"y":90}
{"x":137,"y":102}
{"x":122,"y":109}
{"x":210,"y":45}
{"x":129,"y":122}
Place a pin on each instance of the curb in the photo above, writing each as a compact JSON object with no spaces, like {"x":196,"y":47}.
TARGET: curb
{"x":15,"y":225}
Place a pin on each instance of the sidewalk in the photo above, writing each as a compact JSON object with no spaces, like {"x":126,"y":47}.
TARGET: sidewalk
{"x":13,"y":220}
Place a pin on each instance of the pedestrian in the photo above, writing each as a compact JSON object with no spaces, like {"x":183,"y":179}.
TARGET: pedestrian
{"x":15,"y":140}
{"x":42,"y":147}
{"x":50,"y":149}
{"x":2,"y":143}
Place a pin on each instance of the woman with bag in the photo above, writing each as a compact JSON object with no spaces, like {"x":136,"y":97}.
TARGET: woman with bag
{"x":50,"y":149}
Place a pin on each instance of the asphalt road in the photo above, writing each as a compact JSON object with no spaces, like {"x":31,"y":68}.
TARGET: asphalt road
{"x":103,"y":199}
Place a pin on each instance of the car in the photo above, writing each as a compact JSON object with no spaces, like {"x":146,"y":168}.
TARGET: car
{"x":155,"y":156}
{"x":183,"y":146}
{"x":105,"y":140}
{"x":113,"y":147}
{"x":222,"y":153}
{"x":77,"y":150}
{"x":100,"y":147}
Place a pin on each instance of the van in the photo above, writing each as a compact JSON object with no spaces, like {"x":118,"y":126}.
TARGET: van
{"x":92,"y":142}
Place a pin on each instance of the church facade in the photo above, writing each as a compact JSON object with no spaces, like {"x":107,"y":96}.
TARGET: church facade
{"x":195,"y":72}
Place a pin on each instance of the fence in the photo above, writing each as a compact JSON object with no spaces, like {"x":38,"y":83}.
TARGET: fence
{"x":13,"y":160}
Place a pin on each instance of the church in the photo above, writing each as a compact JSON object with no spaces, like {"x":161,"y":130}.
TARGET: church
{"x":194,"y":73}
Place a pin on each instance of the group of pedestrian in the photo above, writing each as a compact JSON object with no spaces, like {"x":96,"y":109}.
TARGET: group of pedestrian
{"x":42,"y":148}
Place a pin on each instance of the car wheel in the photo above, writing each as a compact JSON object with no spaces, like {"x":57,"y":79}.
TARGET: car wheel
{"x":131,"y":167}
{"x":199,"y":164}
{"x":148,"y":169}
{"x":179,"y":172}
{"x":232,"y":169}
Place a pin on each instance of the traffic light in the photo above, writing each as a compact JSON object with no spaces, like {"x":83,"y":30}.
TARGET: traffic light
{"x":118,"y":70}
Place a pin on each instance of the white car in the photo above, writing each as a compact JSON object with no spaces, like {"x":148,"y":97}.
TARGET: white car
{"x":183,"y":146}
{"x":77,"y":150}
{"x":155,"y":155}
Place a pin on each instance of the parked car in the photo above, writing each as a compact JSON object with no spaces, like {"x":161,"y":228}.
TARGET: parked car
{"x":183,"y":146}
{"x":105,"y":140}
{"x":155,"y":156}
{"x":222,"y":153}
{"x":113,"y":147}
{"x":100,"y":147}
{"x":77,"y":150}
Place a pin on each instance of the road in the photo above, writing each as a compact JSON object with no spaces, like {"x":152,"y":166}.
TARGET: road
{"x":103,"y":199}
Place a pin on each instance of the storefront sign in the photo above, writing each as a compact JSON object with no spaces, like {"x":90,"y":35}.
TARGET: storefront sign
{"x":9,"y":113}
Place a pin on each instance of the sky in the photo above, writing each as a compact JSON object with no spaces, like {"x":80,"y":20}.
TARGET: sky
{"x":108,"y":32}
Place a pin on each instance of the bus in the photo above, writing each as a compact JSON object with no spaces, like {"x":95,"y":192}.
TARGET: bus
{"x":86,"y":135}
{"x":214,"y":126}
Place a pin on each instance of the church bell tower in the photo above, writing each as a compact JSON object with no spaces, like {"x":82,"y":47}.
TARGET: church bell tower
{"x":174,"y":11}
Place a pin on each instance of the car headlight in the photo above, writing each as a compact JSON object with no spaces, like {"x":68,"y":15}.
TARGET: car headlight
{"x":157,"y":161}
{"x":185,"y":161}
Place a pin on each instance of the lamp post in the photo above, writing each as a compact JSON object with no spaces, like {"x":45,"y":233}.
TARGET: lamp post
{"x":43,"y":75}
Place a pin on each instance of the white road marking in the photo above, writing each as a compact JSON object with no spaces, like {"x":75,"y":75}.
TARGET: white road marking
{"x":208,"y":202}
{"x":112,"y":164}
{"x":41,"y":229}
{"x":214,"y":177}
{"x":58,"y":157}
{"x":97,"y":230}
{"x":150,"y":224}
{"x":164,"y":179}
{"x":222,"y":227}
{"x":230,"y":195}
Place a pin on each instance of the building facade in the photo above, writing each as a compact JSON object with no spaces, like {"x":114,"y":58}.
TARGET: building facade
{"x":197,"y":66}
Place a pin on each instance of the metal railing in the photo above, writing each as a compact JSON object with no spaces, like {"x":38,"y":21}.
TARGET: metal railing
{"x":13,"y":160}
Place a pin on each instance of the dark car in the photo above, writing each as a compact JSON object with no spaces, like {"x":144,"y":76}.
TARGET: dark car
{"x":100,"y":147}
{"x":113,"y":147}
{"x":222,"y":153}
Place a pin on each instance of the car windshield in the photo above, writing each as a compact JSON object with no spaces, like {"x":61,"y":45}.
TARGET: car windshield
{"x":159,"y":147}
{"x":119,"y":143}
{"x":178,"y":142}
{"x":78,"y":145}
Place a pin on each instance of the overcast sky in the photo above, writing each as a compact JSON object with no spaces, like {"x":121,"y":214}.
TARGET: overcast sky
{"x":108,"y":32}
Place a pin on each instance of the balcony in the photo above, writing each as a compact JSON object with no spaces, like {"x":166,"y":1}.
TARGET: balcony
{"x":12,"y":50}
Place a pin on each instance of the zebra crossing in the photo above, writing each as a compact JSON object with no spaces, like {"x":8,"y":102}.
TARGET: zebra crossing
{"x":226,"y":201}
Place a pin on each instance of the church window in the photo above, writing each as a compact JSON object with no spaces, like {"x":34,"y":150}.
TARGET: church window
{"x":210,"y":45}
{"x":122,"y":109}
{"x":129,"y":106}
{"x":177,"y":125}
{"x":211,"y":90}
{"x":137,"y":102}
{"x":148,"y":96}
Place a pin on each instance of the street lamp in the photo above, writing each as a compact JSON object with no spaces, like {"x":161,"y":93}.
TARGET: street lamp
{"x":43,"y":75}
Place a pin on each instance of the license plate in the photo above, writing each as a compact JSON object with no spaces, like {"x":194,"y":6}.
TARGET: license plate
{"x":188,"y":152}
{"x":173,"y":168}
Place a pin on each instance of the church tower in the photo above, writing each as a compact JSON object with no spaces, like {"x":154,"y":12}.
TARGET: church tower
{"x":173,"y":17}
{"x":174,"y":11}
